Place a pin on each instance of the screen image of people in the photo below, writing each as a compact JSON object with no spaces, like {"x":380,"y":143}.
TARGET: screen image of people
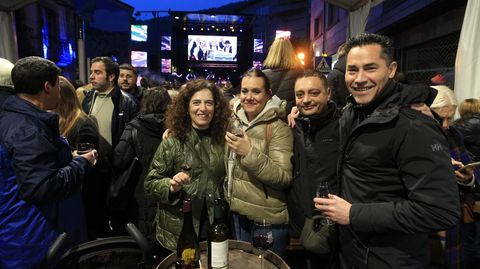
{"x":212,"y":48}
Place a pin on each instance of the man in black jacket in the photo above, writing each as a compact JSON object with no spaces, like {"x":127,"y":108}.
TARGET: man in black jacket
{"x":127,"y":81}
{"x":315,"y":153}
{"x":112,"y":109}
{"x":396,"y":179}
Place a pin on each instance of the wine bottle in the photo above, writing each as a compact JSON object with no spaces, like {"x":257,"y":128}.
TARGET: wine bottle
{"x":218,"y":239}
{"x":187,"y":246}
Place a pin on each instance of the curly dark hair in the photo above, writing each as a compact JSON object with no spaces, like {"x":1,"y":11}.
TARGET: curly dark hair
{"x":177,"y":116}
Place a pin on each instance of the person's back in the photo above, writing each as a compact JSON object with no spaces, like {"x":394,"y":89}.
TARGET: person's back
{"x":336,"y":82}
{"x":141,"y":139}
{"x":469,"y":125}
{"x":282,"y":68}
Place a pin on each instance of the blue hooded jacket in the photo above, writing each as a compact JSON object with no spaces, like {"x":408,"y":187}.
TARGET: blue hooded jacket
{"x":39,"y":185}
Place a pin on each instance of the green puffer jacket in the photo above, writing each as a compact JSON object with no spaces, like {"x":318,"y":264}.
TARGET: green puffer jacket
{"x":258,"y":182}
{"x":208,"y":173}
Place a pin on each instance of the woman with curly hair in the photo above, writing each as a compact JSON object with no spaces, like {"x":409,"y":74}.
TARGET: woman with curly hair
{"x":197,"y":120}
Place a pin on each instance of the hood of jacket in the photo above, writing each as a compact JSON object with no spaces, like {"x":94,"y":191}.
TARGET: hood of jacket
{"x":275,"y":107}
{"x":151,"y":124}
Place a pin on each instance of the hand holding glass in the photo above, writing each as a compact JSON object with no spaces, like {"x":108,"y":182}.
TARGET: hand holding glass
{"x":83,"y":148}
{"x":322,"y":191}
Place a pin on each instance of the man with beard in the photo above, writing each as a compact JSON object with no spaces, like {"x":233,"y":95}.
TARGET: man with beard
{"x":112,"y":109}
{"x":127,"y":81}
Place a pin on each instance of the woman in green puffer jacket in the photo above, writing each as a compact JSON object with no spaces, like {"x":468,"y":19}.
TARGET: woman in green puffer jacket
{"x":259,"y":165}
{"x":197,"y":120}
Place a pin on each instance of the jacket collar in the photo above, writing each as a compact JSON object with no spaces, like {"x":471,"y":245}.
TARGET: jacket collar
{"x":270,"y":111}
{"x":16,"y":104}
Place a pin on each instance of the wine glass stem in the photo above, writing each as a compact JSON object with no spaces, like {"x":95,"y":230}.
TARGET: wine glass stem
{"x":261,"y":260}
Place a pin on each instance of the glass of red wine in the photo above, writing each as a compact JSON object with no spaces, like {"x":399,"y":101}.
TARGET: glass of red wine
{"x":186,"y":166}
{"x":262,"y":237}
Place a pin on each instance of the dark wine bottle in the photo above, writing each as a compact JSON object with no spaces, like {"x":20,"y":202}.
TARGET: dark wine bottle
{"x":187,"y":246}
{"x":218,"y":239}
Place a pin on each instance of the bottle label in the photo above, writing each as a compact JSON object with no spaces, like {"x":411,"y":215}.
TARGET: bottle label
{"x":219,"y":254}
{"x":188,"y":255}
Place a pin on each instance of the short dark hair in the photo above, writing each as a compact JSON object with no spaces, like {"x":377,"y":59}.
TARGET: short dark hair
{"x":130,"y":67}
{"x":254,"y":72}
{"x":314,"y":73}
{"x":29,"y":74}
{"x":369,"y":39}
{"x":111,"y":67}
{"x":154,"y":100}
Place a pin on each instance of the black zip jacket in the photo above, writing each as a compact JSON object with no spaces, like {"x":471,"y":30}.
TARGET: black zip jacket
{"x":124,"y":110}
{"x":315,"y":159}
{"x":395,"y":170}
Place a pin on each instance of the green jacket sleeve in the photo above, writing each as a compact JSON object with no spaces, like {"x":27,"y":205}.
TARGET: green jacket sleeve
{"x":157,"y":181}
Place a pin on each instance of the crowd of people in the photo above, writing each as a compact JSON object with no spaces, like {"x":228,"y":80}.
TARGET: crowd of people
{"x":392,"y":155}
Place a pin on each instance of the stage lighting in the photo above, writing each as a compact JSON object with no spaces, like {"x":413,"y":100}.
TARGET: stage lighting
{"x":184,"y":28}
{"x":212,"y":16}
{"x":176,"y":17}
{"x":301,"y":55}
{"x":201,"y":29}
{"x":231,"y":27}
{"x":191,"y":28}
{"x":241,"y":30}
{"x":233,"y":30}
{"x":218,"y":29}
{"x":223,"y":29}
{"x":213,"y":26}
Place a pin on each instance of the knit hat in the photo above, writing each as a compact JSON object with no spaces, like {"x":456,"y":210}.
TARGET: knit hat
{"x":6,"y":73}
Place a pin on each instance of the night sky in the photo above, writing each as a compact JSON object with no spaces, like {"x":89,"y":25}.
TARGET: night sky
{"x":176,"y":5}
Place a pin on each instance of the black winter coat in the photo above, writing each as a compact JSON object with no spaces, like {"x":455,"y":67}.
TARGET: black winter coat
{"x":336,"y":82}
{"x":150,"y":128}
{"x":470,"y":128}
{"x":124,"y":110}
{"x":396,"y":172}
{"x":282,"y":82}
{"x":5,"y":92}
{"x":315,"y":159}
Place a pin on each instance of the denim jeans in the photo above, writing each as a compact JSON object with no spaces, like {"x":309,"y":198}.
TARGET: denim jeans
{"x":471,"y":244}
{"x":243,"y":231}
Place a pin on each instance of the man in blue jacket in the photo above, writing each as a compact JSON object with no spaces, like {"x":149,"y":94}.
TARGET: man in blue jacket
{"x":39,"y":179}
{"x":396,"y":182}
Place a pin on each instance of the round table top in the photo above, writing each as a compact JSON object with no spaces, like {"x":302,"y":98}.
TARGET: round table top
{"x":241,"y":255}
